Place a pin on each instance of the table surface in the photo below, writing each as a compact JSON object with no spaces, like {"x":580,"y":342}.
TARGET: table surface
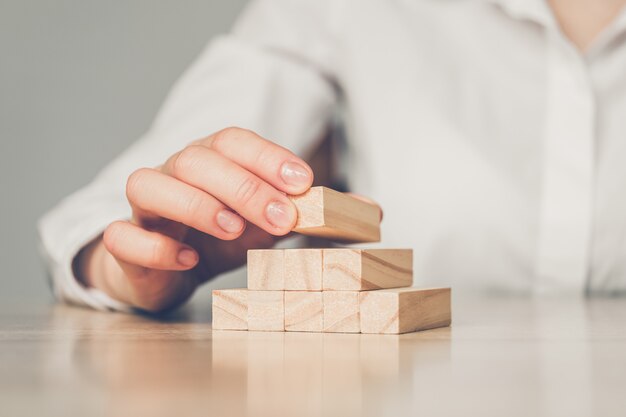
{"x":502,"y":357}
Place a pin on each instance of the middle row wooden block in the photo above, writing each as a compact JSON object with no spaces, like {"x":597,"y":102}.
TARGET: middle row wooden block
{"x":341,"y":269}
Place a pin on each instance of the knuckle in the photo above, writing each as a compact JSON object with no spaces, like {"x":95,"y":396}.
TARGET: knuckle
{"x":157,"y":252}
{"x":226,"y":135}
{"x":186,"y":160}
{"x":112,"y":236}
{"x":266,"y":156}
{"x":136,"y":181}
{"x":247,"y":189}
{"x":194,"y":206}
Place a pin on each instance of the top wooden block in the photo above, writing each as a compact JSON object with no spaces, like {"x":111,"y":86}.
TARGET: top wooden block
{"x":327,"y":213}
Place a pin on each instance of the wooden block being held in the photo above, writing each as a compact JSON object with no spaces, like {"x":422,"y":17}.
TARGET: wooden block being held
{"x":266,"y":310}
{"x":303,"y":269}
{"x":230,"y":309}
{"x":337,"y":216}
{"x":402,"y":310}
{"x":367,"y":269}
{"x":341,"y":311}
{"x":303,"y":311}
{"x":266,"y":269}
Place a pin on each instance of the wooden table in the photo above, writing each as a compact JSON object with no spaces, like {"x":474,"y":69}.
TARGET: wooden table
{"x":502,"y":357}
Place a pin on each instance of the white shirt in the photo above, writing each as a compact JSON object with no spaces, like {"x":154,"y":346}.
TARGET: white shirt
{"x":496,"y":149}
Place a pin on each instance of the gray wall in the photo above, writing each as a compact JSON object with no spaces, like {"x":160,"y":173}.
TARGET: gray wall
{"x":79,"y":81}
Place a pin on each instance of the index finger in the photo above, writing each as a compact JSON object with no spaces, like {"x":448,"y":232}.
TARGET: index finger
{"x":278,"y":166}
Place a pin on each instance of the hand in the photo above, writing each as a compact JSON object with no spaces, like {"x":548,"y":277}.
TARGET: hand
{"x":190,"y":216}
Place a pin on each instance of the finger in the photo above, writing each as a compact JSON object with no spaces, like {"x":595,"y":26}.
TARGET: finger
{"x":278,"y":166}
{"x":131,"y":244}
{"x":152,"y":290}
{"x":239,"y":189}
{"x":151,"y":191}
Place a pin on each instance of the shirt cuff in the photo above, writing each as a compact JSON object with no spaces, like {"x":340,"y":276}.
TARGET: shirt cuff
{"x":62,"y":238}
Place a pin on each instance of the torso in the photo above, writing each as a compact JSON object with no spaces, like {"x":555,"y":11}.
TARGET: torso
{"x":448,"y":117}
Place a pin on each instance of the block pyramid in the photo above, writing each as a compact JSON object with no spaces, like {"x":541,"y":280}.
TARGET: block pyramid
{"x":345,"y":290}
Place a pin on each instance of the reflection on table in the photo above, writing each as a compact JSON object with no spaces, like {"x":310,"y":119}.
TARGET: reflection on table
{"x":502,"y":356}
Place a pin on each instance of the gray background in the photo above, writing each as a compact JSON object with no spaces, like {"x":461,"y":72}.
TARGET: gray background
{"x":79,"y":81}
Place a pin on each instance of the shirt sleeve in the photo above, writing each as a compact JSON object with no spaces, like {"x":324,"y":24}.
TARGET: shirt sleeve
{"x":272,"y":74}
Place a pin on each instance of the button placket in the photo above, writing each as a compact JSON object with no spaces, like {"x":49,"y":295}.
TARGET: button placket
{"x":567,"y":193}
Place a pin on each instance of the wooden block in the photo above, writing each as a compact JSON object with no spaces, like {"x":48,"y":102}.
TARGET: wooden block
{"x":341,"y":311}
{"x":303,"y":311}
{"x":337,"y":216}
{"x":266,"y":310}
{"x":303,"y":269}
{"x":266,"y":269}
{"x":230,"y":309}
{"x":402,"y":310}
{"x":367,"y":269}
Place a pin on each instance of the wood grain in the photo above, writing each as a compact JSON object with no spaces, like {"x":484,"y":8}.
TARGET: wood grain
{"x":266,"y":310}
{"x":230,"y":309}
{"x":327,"y":213}
{"x":266,"y":269}
{"x":517,"y":356}
{"x":402,"y":310}
{"x":304,"y":311}
{"x":367,"y":269}
{"x":341,"y":311}
{"x":303,"y":269}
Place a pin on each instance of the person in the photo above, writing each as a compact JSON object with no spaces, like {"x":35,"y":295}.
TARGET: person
{"x":490,"y":131}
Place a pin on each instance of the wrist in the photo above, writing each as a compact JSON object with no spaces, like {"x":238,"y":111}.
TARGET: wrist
{"x":91,"y":268}
{"x":82,"y":265}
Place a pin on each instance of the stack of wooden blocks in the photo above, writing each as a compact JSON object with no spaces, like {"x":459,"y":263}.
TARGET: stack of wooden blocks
{"x":344,"y":290}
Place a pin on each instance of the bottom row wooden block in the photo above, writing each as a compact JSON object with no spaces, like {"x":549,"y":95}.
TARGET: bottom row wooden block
{"x":230,"y":309}
{"x":304,"y":311}
{"x":341,"y":312}
{"x":266,"y":310}
{"x":404,"y":310}
{"x":392,"y":311}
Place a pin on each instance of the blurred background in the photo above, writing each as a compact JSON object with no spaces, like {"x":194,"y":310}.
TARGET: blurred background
{"x":80,"y":81}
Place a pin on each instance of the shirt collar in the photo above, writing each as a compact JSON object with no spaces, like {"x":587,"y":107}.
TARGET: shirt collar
{"x":539,"y":11}
{"x":620,"y":21}
{"x":615,"y":29}
{"x":534,"y":10}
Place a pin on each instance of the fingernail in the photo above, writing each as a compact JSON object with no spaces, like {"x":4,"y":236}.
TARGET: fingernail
{"x":280,"y":214}
{"x":187,"y":257}
{"x":295,"y":174}
{"x":229,"y":221}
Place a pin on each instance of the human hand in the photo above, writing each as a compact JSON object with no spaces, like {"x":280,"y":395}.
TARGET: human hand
{"x":194,"y":217}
